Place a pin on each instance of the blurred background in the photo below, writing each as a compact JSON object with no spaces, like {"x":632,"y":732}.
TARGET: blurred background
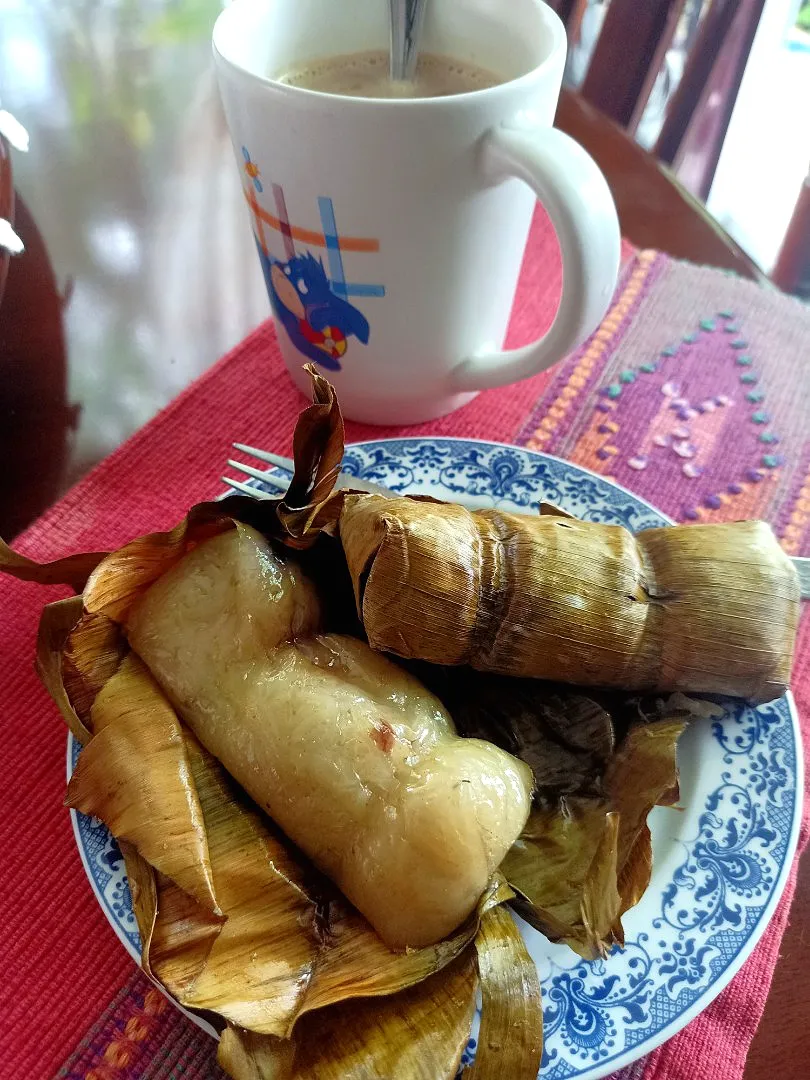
{"x":765,"y":151}
{"x":131,"y":181}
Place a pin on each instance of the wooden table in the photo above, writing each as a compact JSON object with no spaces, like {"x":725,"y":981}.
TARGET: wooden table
{"x":131,"y":212}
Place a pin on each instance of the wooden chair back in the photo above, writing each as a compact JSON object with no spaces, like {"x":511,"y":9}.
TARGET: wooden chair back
{"x":571,"y":12}
{"x":792,"y":270}
{"x":6,"y":205}
{"x":629,"y":55}
{"x":699,"y":111}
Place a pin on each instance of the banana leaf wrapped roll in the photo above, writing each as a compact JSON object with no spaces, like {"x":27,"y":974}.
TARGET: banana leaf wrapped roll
{"x":357,"y":762}
{"x":701,"y":609}
{"x":233,"y":918}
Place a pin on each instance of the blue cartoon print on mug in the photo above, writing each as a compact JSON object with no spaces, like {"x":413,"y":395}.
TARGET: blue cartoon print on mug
{"x":318,"y":322}
{"x":311,"y":300}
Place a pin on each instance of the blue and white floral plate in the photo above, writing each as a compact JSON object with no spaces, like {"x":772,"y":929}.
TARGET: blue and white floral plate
{"x":720,"y":863}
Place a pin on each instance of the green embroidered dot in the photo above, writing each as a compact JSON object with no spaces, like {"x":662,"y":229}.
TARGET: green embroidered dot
{"x":614,"y":390}
{"x":748,"y":377}
{"x":726,"y":314}
{"x":627,"y":376}
{"x":740,"y":343}
{"x":770,"y":461}
{"x":731,"y":328}
{"x":768,"y":437}
{"x":669,"y":351}
{"x":708,"y":324}
{"x":744,"y":360}
{"x":754,"y":396}
{"x":760,"y":417}
{"x":648,"y":369}
{"x":690,"y":339}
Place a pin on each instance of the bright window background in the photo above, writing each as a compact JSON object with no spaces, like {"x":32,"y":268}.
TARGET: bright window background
{"x":766,"y":155}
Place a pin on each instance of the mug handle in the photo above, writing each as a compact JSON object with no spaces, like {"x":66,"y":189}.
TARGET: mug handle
{"x":571,"y":186}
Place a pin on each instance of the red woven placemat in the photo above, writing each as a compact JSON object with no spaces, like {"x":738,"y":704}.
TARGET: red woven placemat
{"x":656,"y":398}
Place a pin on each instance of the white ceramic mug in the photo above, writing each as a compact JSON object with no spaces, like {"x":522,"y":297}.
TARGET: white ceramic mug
{"x":391,"y":232}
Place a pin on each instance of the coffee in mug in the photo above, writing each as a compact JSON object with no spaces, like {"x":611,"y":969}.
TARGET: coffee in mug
{"x":366,"y":74}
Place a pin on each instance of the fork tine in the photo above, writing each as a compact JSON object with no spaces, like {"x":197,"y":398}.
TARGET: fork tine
{"x":280,"y":483}
{"x":245,"y":489}
{"x":260,"y":474}
{"x":343,"y":479}
{"x":265,"y":455}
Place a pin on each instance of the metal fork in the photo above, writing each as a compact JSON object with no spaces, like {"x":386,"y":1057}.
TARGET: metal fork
{"x":281,"y":483}
{"x":345,"y":480}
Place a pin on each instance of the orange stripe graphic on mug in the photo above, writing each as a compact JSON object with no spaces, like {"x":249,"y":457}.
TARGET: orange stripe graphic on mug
{"x":308,"y":236}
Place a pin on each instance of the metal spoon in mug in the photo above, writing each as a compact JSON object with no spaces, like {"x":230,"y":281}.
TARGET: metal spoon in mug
{"x":407,"y":20}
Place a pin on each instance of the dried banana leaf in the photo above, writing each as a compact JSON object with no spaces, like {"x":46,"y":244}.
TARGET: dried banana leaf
{"x":143,"y":890}
{"x":629,"y":710}
{"x":134,"y":775}
{"x":92,"y":654}
{"x":642,"y":774}
{"x":318,"y":453}
{"x":247,"y":1056}
{"x":257,"y":966}
{"x":584,"y":861}
{"x":565,"y":737}
{"x":579,"y":722}
{"x":510,"y":1040}
{"x":124,"y":574}
{"x":339,"y":975}
{"x":181,"y":937}
{"x":564,"y":871}
{"x":282,"y":951}
{"x":418,"y":1034}
{"x":73,"y":570}
{"x":376,"y":1041}
{"x":704,"y":608}
{"x":55,"y":626}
